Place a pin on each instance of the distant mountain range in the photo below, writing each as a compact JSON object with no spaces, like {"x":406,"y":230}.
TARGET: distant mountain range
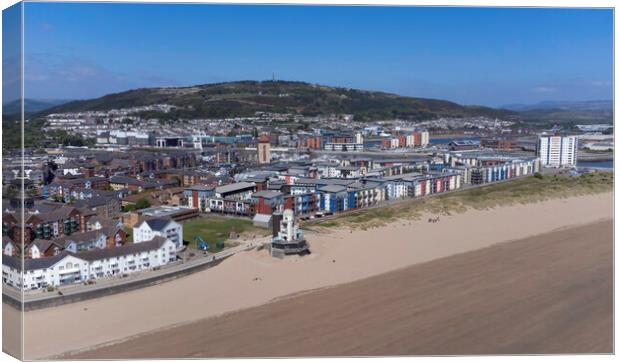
{"x":567,"y":113}
{"x":603,"y":105}
{"x":244,"y":98}
{"x":31,"y":105}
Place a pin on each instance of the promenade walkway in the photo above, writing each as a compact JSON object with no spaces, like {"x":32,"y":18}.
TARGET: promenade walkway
{"x":105,"y":286}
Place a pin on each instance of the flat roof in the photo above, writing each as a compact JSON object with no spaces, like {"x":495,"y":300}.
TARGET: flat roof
{"x":237,"y":186}
{"x":268,"y":194}
{"x":333,"y":188}
{"x":164,"y":210}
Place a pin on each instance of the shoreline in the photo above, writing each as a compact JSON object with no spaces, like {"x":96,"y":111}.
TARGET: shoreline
{"x":253,"y":278}
{"x":440,"y":307}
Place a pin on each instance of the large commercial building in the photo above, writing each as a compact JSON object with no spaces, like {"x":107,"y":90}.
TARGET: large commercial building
{"x":557,"y":151}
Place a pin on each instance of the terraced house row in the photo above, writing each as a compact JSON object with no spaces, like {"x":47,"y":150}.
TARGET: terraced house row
{"x":480,"y":168}
{"x":308,"y":195}
{"x":69,"y":268}
{"x":321,"y":187}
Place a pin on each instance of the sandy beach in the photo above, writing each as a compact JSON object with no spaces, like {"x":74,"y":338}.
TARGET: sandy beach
{"x":550,"y":293}
{"x":253,"y":278}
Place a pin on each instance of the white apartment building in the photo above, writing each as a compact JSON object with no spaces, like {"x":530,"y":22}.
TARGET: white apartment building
{"x":68,"y":268}
{"x":410,"y":140}
{"x":424,"y":138}
{"x":167,"y":228}
{"x":359,"y":139}
{"x":557,"y":151}
{"x":344,"y":147}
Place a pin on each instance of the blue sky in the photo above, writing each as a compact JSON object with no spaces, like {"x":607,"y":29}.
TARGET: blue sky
{"x":11,"y":53}
{"x":468,"y":55}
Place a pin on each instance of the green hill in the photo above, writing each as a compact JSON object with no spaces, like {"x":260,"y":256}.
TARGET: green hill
{"x":244,"y":98}
{"x":31,"y":105}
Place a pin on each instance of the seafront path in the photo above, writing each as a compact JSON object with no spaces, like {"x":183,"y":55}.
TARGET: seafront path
{"x":34,"y":299}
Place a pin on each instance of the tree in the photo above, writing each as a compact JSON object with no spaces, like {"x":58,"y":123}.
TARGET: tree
{"x":142,"y":203}
{"x":32,"y":192}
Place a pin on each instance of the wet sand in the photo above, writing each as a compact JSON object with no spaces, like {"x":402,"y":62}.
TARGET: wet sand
{"x":550,"y":293}
{"x":339,"y":256}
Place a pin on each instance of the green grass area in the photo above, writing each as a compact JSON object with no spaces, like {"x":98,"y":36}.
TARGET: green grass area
{"x":129,"y":232}
{"x":213,"y":229}
{"x":524,"y":190}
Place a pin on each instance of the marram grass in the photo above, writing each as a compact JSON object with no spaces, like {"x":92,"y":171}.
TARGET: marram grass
{"x":521,"y":191}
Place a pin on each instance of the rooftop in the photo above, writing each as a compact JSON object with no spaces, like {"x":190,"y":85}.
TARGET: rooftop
{"x":268,"y":194}
{"x":234,"y":187}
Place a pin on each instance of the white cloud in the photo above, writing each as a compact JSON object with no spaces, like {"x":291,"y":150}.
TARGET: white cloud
{"x":61,"y":76}
{"x":601,"y":83}
{"x":545,"y":89}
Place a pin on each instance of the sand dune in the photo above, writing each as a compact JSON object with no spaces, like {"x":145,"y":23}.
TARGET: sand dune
{"x":550,"y":293}
{"x":253,"y":278}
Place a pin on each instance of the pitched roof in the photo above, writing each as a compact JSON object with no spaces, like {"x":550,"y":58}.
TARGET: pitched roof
{"x":156,"y":223}
{"x":79,"y":238}
{"x":57,"y":214}
{"x":104,"y":221}
{"x":131,"y":181}
{"x":33,"y":264}
{"x":6,"y":240}
{"x":96,"y":201}
{"x":43,"y":244}
{"x":90,"y":255}
{"x":131,"y":248}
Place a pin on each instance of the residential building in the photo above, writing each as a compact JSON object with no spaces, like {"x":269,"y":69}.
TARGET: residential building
{"x":167,"y":228}
{"x":238,"y":191}
{"x":344,"y":147}
{"x":197,"y":196}
{"x":264,"y":149}
{"x":69,"y":268}
{"x":557,"y":151}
